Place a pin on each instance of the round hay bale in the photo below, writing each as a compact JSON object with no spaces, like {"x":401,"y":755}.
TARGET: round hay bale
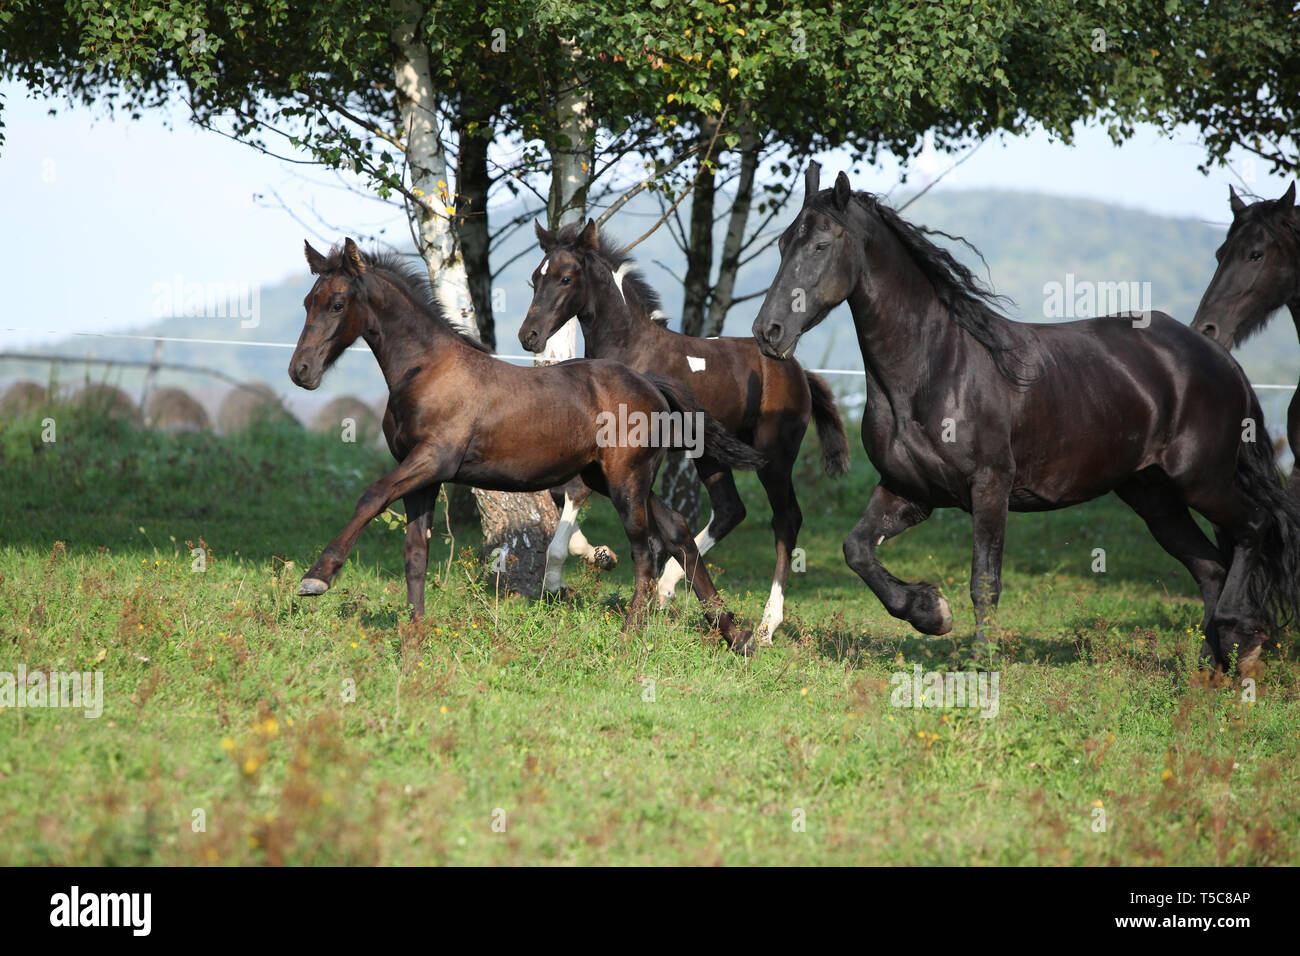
{"x":174,"y":410}
{"x":108,"y":400}
{"x":20,"y":398}
{"x":329,"y":420}
{"x":247,"y":403}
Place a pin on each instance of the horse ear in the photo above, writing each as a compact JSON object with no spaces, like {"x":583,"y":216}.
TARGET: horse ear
{"x":589,"y":238}
{"x":1235,"y":201}
{"x":812,"y":181}
{"x":315,"y":261}
{"x":352,"y":261}
{"x":544,"y":239}
{"x":843,"y":193}
{"x":1288,"y":198}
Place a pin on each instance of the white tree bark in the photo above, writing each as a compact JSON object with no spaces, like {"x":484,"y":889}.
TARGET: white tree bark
{"x":426,"y":160}
{"x":572,"y":146}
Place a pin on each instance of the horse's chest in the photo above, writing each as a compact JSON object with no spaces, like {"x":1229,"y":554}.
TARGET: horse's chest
{"x":914,"y":462}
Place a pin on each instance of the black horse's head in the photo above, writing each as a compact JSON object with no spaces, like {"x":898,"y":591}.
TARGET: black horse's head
{"x":821,"y":262}
{"x":336,"y":312}
{"x":559,"y":283}
{"x":1258,"y":272}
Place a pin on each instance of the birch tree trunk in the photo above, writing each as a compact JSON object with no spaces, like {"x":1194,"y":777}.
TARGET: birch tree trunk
{"x":724,"y":289}
{"x":516,"y":527}
{"x":572,"y":147}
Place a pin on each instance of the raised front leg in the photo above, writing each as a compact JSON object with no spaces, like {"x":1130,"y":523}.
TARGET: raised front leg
{"x":990,"y":493}
{"x":418,"y":470}
{"x":887,"y":515}
{"x":419,"y":519}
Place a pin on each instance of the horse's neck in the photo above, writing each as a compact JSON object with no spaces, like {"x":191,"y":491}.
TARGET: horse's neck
{"x":901,"y":324}
{"x":608,"y":325}
{"x":405,"y":338}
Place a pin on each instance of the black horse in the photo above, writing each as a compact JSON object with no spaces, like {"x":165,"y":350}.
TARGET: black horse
{"x":967,"y":409}
{"x":1258,"y":273}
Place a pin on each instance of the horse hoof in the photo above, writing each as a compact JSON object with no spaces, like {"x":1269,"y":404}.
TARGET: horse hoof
{"x":312,"y":587}
{"x":604,"y":559}
{"x":935,"y":621}
{"x":744,"y":644}
{"x":764,"y":639}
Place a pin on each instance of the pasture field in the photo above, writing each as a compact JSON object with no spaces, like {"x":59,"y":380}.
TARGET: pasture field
{"x":226,"y":694}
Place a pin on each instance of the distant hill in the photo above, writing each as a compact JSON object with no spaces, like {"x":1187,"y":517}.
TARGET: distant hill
{"x":1028,"y":240}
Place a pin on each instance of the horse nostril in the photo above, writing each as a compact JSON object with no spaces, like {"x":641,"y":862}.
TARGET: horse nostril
{"x":301,"y":370}
{"x":774,"y":333}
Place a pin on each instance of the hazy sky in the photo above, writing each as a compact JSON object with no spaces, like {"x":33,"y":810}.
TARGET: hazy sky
{"x":99,"y":213}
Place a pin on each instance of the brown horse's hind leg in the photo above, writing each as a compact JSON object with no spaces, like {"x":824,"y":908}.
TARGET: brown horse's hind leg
{"x":786,"y":521}
{"x":417,"y":470}
{"x":726,"y":512}
{"x":677,"y":537}
{"x":419,"y":519}
{"x":887,"y":515}
{"x":631,"y":507}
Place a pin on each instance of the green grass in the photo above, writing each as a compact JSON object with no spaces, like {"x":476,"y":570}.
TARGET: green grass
{"x":225,"y":693}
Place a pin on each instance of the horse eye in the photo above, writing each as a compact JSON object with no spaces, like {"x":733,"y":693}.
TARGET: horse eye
{"x":1256,"y":255}
{"x":337,"y":307}
{"x":823,"y":246}
{"x":564,"y":281}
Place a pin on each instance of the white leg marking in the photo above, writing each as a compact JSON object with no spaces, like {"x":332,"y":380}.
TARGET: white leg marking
{"x":773,"y":614}
{"x":674,"y":572}
{"x":558,"y":549}
{"x":579,"y":546}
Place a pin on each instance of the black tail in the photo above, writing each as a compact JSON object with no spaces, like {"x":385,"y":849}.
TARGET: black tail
{"x":1274,"y":585}
{"x":830,"y":427}
{"x":719,"y":444}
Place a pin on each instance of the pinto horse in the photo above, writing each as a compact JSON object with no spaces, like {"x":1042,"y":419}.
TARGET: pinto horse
{"x":765,"y":403}
{"x":1258,"y":273}
{"x":456,"y":413}
{"x":968,"y":409}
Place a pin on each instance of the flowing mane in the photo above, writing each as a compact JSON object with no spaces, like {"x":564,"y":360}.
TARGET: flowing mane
{"x":412,"y":278}
{"x":969,"y":302}
{"x":615,"y":256}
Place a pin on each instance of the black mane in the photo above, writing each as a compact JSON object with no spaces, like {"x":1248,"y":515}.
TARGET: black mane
{"x":970,"y":303}
{"x":614,"y":255}
{"x":413,"y":278}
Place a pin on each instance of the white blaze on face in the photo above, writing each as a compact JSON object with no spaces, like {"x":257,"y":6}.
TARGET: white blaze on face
{"x":546,"y":264}
{"x":695,"y":362}
{"x":558,"y":549}
{"x":674,"y":572}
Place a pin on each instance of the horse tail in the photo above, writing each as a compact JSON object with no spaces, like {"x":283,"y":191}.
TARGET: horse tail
{"x":719,"y":444}
{"x":1274,"y":583}
{"x":830,"y":427}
